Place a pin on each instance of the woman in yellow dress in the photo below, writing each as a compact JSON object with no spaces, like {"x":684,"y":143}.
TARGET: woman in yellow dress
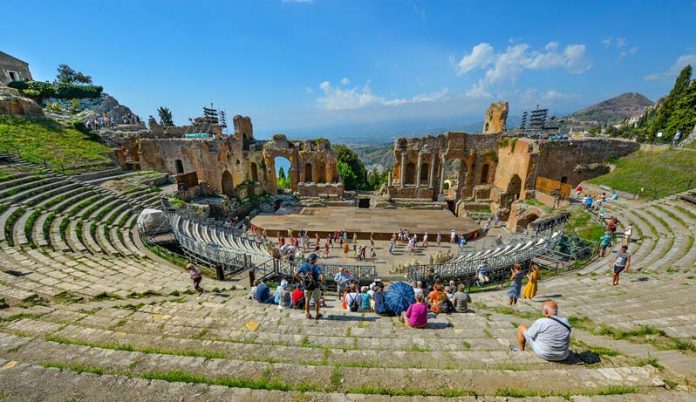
{"x":533,"y":277}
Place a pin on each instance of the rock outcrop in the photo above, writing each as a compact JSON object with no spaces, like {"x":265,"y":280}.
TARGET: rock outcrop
{"x":13,"y":104}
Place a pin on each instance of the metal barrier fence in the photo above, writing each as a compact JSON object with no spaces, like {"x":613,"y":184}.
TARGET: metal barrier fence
{"x":229,"y":261}
{"x":498,"y":259}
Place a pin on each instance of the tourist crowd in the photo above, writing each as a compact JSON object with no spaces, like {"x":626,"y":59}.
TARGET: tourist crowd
{"x":108,"y":120}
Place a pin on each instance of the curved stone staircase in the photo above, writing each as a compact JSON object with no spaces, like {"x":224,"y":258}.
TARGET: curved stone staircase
{"x":149,"y":340}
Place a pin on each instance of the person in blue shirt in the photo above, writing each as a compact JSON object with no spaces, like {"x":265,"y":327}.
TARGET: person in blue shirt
{"x":263,"y":292}
{"x":341,"y":279}
{"x":311,"y":275}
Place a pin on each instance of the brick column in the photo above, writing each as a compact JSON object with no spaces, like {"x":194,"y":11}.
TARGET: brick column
{"x":418,"y":169}
{"x":403,"y":169}
{"x":432,"y":170}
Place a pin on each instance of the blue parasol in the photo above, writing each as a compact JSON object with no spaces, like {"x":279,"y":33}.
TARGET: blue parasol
{"x":399,"y":296}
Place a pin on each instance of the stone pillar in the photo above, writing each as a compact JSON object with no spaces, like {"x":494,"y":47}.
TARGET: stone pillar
{"x":442,"y":175}
{"x":389,"y":180}
{"x":418,"y":169}
{"x":432,"y":170}
{"x":403,"y":170}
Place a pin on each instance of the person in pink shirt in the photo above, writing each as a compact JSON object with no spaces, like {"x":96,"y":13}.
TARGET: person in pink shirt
{"x":416,"y":316}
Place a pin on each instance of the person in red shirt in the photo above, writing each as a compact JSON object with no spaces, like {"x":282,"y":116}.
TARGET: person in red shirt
{"x":297,"y":297}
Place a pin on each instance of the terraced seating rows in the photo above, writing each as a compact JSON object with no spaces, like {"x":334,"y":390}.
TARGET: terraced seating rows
{"x":145,"y":338}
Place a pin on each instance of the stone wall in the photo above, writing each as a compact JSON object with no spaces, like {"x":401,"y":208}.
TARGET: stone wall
{"x":12,"y":64}
{"x":321,"y":190}
{"x":11,"y":103}
{"x":496,"y":118}
{"x":226,"y":162}
{"x":577,"y":160}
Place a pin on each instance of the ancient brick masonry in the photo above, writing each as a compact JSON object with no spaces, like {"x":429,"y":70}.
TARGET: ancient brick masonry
{"x":225,"y":162}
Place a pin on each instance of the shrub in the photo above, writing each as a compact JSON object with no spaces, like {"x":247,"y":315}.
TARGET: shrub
{"x":42,"y":90}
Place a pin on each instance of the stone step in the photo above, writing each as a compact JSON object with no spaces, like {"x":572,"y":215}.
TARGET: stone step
{"x":73,"y":240}
{"x":73,"y":200}
{"x":89,"y":240}
{"x":37,"y":232}
{"x":46,"y":196}
{"x":106,"y":244}
{"x":57,"y":241}
{"x":116,"y":235}
{"x":567,"y":379}
{"x":4,"y":217}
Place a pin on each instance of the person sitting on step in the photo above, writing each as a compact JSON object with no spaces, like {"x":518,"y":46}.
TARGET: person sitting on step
{"x":549,"y":336}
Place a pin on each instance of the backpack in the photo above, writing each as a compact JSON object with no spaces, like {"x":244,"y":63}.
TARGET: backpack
{"x":354,"y":303}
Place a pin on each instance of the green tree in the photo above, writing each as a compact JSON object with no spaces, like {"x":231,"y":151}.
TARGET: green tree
{"x":282,"y":181}
{"x":351,"y":169}
{"x":375,"y":179}
{"x":668,"y":105}
{"x":67,"y":75}
{"x":165,"y":116}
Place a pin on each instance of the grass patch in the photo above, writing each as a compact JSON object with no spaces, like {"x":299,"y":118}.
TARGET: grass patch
{"x":668,"y":173}
{"x":175,"y":259}
{"x":9,"y":224}
{"x":208,"y":354}
{"x":29,"y":225}
{"x":39,"y":139}
{"x":64,"y":229}
{"x":106,"y":296}
{"x":649,"y":361}
{"x":46,"y":229}
{"x":67,"y":297}
{"x":581,"y":225}
{"x":33,"y":300}
{"x":615,"y":333}
{"x":530,"y":393}
{"x":686,"y":212}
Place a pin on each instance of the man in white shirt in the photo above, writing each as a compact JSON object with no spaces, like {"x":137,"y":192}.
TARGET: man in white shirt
{"x":549,"y":337}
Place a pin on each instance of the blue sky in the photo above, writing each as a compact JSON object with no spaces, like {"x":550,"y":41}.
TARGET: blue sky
{"x":317,"y":67}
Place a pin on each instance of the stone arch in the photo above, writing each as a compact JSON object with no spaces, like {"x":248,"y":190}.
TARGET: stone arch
{"x":424,"y":172}
{"x":485,"y":129}
{"x":308,"y":172}
{"x":410,"y":177}
{"x":227,"y":184}
{"x":254,"y":172}
{"x":284,"y":162}
{"x":514,"y":186}
{"x":484,"y":173}
{"x":179,"y":166}
{"x":523,"y":224}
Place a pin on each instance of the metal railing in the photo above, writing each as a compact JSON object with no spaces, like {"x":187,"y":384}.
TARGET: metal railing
{"x":498,"y":259}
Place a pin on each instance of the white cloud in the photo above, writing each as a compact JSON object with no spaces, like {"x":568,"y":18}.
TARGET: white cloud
{"x":335,"y":98}
{"x":345,"y":81}
{"x":309,"y":90}
{"x":509,"y":64}
{"x":681,"y":62}
{"x":481,"y":55}
{"x":621,"y":42}
{"x":606,"y":42}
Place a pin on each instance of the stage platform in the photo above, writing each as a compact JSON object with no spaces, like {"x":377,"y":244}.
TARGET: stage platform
{"x":381,"y":222}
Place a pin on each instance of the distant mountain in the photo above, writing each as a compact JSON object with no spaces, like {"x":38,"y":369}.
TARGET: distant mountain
{"x":612,"y":110}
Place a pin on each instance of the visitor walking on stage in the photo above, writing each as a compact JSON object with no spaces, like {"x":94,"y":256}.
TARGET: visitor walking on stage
{"x":438,"y":239}
{"x":516,"y":284}
{"x":311,"y":276}
{"x":621,"y":261}
{"x":346,"y":248}
{"x":530,"y":289}
{"x":196,"y":277}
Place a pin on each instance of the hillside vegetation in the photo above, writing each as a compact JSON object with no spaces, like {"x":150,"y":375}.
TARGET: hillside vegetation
{"x":659,"y":172}
{"x":614,"y":110}
{"x":675,"y":112}
{"x":37,"y":139}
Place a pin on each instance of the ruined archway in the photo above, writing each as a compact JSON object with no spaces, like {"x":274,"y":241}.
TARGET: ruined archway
{"x":308,"y":172}
{"x":283,"y":173}
{"x":513,"y":190}
{"x":410,"y":173}
{"x":179,"y":166}
{"x":227,"y":184}
{"x":254,"y":172}
{"x":523,"y":224}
